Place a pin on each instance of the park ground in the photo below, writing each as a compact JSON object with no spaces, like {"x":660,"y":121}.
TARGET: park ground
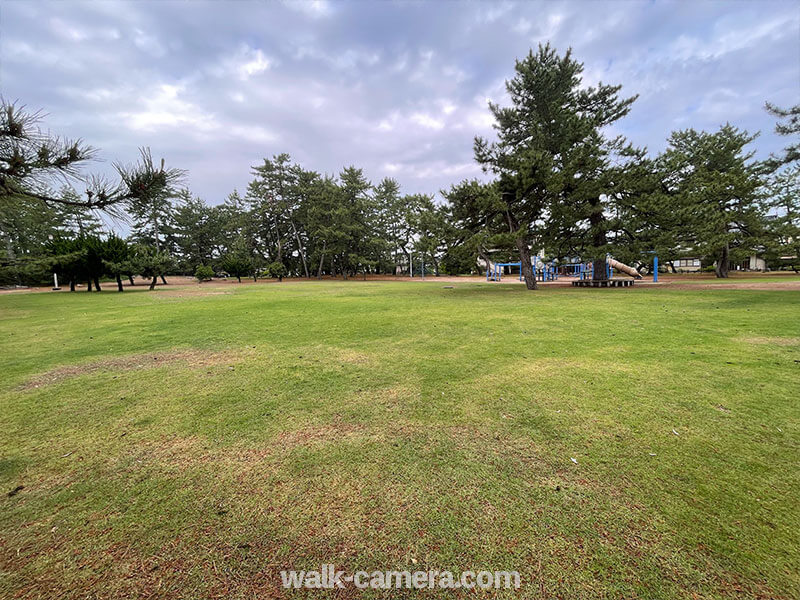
{"x":193,"y":441}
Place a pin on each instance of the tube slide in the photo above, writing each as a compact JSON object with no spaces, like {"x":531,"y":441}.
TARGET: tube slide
{"x":624,"y":268}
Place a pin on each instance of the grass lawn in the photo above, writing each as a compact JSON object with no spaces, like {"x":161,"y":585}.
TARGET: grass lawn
{"x":186,"y":443}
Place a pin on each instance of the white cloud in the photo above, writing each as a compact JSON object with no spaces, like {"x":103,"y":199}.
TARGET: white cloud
{"x":427,"y":121}
{"x":162,"y":108}
{"x":148,"y":43}
{"x":522,"y":26}
{"x":253,"y":133}
{"x":448,"y":107}
{"x":254,"y":63}
{"x":312,"y":8}
{"x":396,"y":88}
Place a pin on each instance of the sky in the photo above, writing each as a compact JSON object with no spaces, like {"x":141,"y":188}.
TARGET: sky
{"x":399,"y":89}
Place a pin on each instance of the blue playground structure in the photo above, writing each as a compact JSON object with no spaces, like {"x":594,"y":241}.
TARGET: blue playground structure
{"x":550,"y":271}
{"x":495,"y":272}
{"x":542,"y":271}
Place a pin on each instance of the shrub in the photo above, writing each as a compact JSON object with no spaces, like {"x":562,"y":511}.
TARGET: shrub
{"x":203,"y":273}
{"x":277,"y":270}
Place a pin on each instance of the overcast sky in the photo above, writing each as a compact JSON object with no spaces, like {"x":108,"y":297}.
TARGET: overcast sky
{"x":397,"y":88}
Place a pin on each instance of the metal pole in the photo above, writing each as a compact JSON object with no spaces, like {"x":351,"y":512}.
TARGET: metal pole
{"x":655,"y":269}
{"x":411,"y":263}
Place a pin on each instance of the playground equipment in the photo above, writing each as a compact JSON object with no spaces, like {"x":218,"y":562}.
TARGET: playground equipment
{"x":623,"y":268}
{"x":542,"y":271}
{"x":587,"y":278}
{"x":495,"y":271}
{"x":584,"y":271}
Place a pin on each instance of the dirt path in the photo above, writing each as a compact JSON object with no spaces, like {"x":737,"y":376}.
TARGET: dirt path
{"x":749,"y":281}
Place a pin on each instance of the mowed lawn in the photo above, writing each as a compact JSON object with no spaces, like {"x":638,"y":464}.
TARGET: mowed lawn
{"x":192,"y":442}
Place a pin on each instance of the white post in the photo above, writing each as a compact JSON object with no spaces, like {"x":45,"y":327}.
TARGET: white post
{"x":411,"y":263}
{"x":55,"y":281}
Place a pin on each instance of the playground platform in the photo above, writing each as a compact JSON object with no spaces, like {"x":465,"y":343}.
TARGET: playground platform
{"x":603,"y":283}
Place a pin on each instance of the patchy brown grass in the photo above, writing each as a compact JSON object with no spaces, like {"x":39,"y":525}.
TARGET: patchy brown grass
{"x":771,"y":341}
{"x":192,"y":358}
{"x":192,"y":292}
{"x":740,"y":285}
{"x":298,"y":522}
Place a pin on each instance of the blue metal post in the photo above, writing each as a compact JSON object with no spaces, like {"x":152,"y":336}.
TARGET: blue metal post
{"x":655,"y":269}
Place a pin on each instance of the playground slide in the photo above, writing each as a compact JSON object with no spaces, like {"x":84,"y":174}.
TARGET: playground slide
{"x":624,"y":268}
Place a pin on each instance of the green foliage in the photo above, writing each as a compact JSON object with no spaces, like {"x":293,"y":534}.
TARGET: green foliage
{"x":709,"y":196}
{"x":237,"y":262}
{"x":788,"y":125}
{"x":552,"y":160}
{"x":783,"y":200}
{"x":31,"y":159}
{"x":149,"y":262}
{"x":204,"y":273}
{"x":277,"y":270}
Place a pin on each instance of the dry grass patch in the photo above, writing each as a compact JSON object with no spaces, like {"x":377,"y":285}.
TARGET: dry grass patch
{"x":771,"y":341}
{"x":340,"y":355}
{"x":192,"y":358}
{"x":192,"y":292}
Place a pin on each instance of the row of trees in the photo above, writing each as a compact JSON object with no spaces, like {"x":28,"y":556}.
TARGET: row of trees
{"x":563,"y":183}
{"x":312,"y":224}
{"x":560,"y":182}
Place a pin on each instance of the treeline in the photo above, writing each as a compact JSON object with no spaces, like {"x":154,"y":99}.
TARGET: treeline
{"x":560,"y":184}
{"x":289,"y":222}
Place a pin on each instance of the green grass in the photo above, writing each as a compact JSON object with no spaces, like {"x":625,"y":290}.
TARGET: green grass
{"x":208,"y":441}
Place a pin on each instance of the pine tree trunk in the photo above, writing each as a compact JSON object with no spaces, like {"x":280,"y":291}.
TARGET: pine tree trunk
{"x":522,"y":246}
{"x":278,"y":239}
{"x":153,"y":283}
{"x":527,"y":266}
{"x":321,"y":258}
{"x":164,"y":281}
{"x":721,"y":270}
{"x":71,"y":285}
{"x":130,"y":278}
{"x":119,"y":283}
{"x":300,"y":248}
{"x":97,"y":284}
{"x":89,"y":285}
{"x":239,"y":278}
{"x":599,"y":270}
{"x":408,"y":257}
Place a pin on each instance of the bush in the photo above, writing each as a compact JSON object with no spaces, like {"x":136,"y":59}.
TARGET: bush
{"x":237,"y":264}
{"x":203,"y":273}
{"x":277,"y":270}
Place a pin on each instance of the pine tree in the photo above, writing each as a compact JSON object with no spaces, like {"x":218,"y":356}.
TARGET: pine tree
{"x":714,"y":186}
{"x":551,"y":157}
{"x":789,"y":127}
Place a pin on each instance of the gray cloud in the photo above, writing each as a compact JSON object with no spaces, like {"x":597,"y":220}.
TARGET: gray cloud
{"x":397,"y":88}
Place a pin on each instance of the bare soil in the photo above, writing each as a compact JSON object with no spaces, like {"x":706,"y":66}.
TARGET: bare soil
{"x":193,"y":358}
{"x":181,"y":285}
